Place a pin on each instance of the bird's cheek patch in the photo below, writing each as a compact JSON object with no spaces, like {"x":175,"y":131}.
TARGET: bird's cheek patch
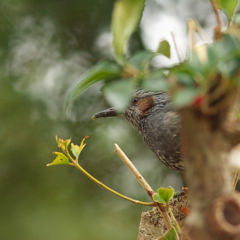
{"x":145,"y":104}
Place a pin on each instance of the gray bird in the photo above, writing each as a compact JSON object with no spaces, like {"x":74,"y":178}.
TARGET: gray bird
{"x":155,"y":118}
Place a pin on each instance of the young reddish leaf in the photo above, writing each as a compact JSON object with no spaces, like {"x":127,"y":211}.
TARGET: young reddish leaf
{"x":125,"y":19}
{"x":164,"y":48}
{"x":198,"y":100}
{"x":61,"y":159}
{"x":185,"y":210}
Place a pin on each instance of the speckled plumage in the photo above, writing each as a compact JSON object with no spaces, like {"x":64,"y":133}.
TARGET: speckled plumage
{"x":154,"y":116}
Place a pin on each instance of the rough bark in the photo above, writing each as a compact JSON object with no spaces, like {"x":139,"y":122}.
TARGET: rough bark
{"x":215,"y":211}
{"x":208,"y":134}
{"x":152,"y":225}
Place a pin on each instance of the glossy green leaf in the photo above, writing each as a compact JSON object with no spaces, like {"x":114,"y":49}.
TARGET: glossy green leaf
{"x":103,"y":70}
{"x":185,"y":79}
{"x":125,"y":19}
{"x":166,"y":194}
{"x":236,"y":19}
{"x":222,"y":57}
{"x":156,"y":81}
{"x":141,"y":60}
{"x":164,"y":48}
{"x":227,"y":6}
{"x":156,"y":198}
{"x":118,"y":94}
{"x":170,"y":235}
{"x":184,"y":97}
{"x":61,"y":159}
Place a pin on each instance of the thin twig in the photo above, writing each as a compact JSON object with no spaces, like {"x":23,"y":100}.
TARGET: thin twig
{"x":144,"y":183}
{"x":192,"y":27}
{"x":176,"y":48}
{"x":235,"y":180}
{"x":133,"y":169}
{"x":191,"y":36}
{"x":175,"y":221}
{"x":76,"y":164}
{"x":202,"y":34}
{"x":218,"y":19}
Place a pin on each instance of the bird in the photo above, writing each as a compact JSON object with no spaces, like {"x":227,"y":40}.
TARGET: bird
{"x":156,"y":119}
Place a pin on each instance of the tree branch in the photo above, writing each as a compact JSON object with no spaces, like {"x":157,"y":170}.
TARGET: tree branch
{"x":143,"y":183}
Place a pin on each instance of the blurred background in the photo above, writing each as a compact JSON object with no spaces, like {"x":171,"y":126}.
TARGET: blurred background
{"x":45,"y":46}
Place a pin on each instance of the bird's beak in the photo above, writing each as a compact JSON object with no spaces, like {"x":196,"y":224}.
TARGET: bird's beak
{"x":111,"y":112}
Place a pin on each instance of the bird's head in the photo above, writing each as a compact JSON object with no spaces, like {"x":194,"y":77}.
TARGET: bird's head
{"x":143,"y":102}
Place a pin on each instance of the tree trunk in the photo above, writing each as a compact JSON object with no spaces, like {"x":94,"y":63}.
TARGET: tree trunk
{"x":206,"y":142}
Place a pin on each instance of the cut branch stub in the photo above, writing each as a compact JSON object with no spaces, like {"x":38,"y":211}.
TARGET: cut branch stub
{"x":225,"y":219}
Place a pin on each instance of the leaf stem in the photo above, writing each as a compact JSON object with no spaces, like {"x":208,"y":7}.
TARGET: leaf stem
{"x":215,"y":9}
{"x":175,"y":221}
{"x":76,"y":164}
{"x":235,"y":180}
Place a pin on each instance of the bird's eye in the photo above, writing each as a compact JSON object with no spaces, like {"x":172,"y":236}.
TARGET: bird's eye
{"x":135,"y":100}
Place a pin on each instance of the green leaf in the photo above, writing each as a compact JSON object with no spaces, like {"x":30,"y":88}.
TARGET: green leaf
{"x":227,"y":6}
{"x":164,"y":48}
{"x":156,"y":198}
{"x":184,"y":97}
{"x":236,"y":19}
{"x":63,"y":144}
{"x":75,"y":150}
{"x":118,"y":94}
{"x":142,"y":59}
{"x":103,"y":70}
{"x":125,"y":19}
{"x":170,"y":235}
{"x":61,"y":159}
{"x":156,"y":81}
{"x":166,"y":194}
{"x":185,"y":79}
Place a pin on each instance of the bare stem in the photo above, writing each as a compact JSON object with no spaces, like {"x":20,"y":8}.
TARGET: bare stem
{"x":215,"y":9}
{"x":191,"y":36}
{"x":144,"y":184}
{"x":177,"y":50}
{"x":133,"y":169}
{"x":202,"y":34}
{"x":235,"y":180}
{"x":192,"y":27}
{"x":175,"y":221}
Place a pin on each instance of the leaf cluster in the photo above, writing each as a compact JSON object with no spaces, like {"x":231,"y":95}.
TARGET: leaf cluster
{"x":64,"y":158}
{"x":188,"y":82}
